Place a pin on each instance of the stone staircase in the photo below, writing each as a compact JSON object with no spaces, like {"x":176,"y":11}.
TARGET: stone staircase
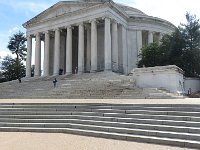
{"x":175,"y":124}
{"x":102,"y":85}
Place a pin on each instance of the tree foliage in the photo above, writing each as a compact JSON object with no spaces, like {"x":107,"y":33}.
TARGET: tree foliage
{"x":152,"y":55}
{"x":17,"y":46}
{"x":10,"y":67}
{"x":181,"y":48}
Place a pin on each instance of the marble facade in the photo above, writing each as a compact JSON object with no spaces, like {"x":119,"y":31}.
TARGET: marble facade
{"x":90,"y":36}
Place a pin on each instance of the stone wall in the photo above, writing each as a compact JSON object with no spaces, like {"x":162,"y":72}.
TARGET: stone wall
{"x":163,"y":77}
{"x":166,"y":77}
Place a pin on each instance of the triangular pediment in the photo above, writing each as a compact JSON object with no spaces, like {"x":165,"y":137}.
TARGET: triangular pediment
{"x":60,"y":9}
{"x":68,"y":7}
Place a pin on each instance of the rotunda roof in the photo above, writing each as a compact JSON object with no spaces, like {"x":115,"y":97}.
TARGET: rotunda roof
{"x":130,"y":10}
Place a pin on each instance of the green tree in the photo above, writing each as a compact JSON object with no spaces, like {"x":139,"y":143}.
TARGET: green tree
{"x":181,"y":48}
{"x":10,"y":67}
{"x":173,"y":45}
{"x":17,"y":46}
{"x":190,"y":32}
{"x":152,"y":55}
{"x":191,"y":35}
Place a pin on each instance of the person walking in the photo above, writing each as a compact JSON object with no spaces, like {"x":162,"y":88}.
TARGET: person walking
{"x":54,"y":82}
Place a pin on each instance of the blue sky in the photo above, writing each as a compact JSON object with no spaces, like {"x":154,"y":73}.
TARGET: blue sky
{"x":13,"y":13}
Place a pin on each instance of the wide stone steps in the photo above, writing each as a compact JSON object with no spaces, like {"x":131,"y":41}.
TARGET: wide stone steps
{"x":103,"y":122}
{"x":126,"y":120}
{"x":102,"y":112}
{"x":155,"y":123}
{"x":105,"y":116}
{"x":101,"y":85}
{"x":188,"y":107}
{"x":186,"y":136}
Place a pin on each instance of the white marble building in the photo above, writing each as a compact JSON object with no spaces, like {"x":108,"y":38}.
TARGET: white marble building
{"x":90,"y":35}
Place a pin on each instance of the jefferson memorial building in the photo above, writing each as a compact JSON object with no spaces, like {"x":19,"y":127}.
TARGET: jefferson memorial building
{"x":90,"y":36}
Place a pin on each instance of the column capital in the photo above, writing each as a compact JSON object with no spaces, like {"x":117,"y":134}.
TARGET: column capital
{"x":80,"y":24}
{"x":29,"y":36}
{"x":114,"y":21}
{"x":37,"y":34}
{"x":149,"y":31}
{"x":92,"y":20}
{"x":46,"y":32}
{"x":56,"y":29}
{"x":69,"y":27}
{"x":106,"y":17}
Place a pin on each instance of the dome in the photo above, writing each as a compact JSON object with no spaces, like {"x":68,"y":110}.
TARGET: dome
{"x":131,"y":11}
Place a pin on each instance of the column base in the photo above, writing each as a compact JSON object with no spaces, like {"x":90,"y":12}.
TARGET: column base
{"x":46,"y":75}
{"x":107,"y":70}
{"x":93,"y":71}
{"x":81,"y":72}
{"x":37,"y":76}
{"x":29,"y":76}
{"x":68,"y":73}
{"x":55,"y":74}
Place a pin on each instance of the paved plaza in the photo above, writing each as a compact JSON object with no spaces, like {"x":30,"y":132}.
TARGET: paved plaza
{"x":59,"y":141}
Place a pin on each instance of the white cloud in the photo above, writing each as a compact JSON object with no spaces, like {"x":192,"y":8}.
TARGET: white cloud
{"x":26,"y":6}
{"x":4,"y":41}
{"x":31,"y":6}
{"x":13,"y":30}
{"x":5,"y":53}
{"x":5,"y":36}
{"x":171,"y":10}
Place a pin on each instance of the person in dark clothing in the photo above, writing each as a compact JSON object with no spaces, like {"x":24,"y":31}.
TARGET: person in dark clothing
{"x":54,"y":82}
{"x":19,"y":79}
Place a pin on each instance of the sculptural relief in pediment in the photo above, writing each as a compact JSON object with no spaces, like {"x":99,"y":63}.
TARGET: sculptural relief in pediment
{"x":59,"y":11}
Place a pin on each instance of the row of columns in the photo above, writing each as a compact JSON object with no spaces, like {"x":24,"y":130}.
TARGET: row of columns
{"x":91,"y":49}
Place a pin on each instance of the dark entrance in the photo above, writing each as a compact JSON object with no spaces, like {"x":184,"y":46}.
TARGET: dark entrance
{"x":74,"y":49}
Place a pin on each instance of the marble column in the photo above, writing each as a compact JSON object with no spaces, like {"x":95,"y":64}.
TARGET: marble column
{"x":37,"y":71}
{"x":29,"y":55}
{"x":81,"y":49}
{"x":69,"y":51}
{"x":150,"y":37}
{"x":93,"y":46}
{"x":139,"y":43}
{"x":160,"y":35}
{"x":107,"y":44}
{"x":114,"y":46}
{"x":88,"y":54}
{"x":46,"y":53}
{"x":125,"y":50}
{"x":56,"y":53}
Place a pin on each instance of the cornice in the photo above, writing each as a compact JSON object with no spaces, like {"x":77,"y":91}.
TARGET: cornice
{"x":151,"y":20}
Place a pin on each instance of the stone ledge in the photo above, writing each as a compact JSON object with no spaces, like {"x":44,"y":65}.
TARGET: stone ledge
{"x":158,"y":69}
